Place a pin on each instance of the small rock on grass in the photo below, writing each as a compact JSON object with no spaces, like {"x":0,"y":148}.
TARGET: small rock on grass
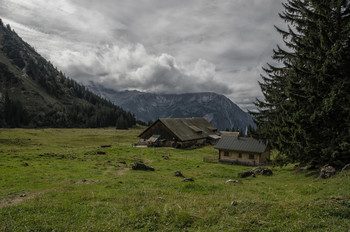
{"x":233,"y":181}
{"x":187,"y":180}
{"x":108,"y":145}
{"x":262,"y":171}
{"x":233,"y":203}
{"x":267,"y":172}
{"x":178,"y":173}
{"x":256,"y":170}
{"x":141,"y":166}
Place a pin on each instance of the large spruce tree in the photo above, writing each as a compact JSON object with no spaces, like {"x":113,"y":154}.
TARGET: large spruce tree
{"x":305,"y":113}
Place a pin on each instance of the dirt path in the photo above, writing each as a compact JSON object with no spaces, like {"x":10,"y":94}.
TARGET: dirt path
{"x":108,"y":170}
{"x":118,"y":172}
{"x":20,"y":198}
{"x":122,"y":171}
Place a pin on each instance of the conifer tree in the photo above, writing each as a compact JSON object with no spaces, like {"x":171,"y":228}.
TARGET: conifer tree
{"x":306,"y":108}
{"x":121,"y":123}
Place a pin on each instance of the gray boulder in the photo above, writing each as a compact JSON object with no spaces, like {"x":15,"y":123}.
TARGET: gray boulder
{"x":266,"y":172}
{"x":327,"y":171}
{"x":178,"y":173}
{"x":262,"y":171}
{"x":256,"y":170}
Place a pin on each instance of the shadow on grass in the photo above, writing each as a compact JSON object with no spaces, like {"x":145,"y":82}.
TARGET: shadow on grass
{"x":312,"y":173}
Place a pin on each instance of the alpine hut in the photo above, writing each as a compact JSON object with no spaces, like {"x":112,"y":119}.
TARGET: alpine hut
{"x":180,"y":133}
{"x":243,"y":150}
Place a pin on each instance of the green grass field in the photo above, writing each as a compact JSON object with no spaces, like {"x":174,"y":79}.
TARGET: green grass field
{"x":54,"y":180}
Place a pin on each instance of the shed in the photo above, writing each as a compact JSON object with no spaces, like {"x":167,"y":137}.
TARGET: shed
{"x":243,"y":150}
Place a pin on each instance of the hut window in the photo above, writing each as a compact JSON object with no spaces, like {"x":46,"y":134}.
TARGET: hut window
{"x":251,"y":156}
{"x":240,"y":155}
{"x":226,"y":153}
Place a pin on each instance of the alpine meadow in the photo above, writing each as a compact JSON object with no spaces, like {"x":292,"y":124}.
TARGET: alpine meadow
{"x":98,"y":133}
{"x":68,"y":180}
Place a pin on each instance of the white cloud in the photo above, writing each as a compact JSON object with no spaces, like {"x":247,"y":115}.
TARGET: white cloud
{"x":132,"y":67}
{"x":154,"y":45}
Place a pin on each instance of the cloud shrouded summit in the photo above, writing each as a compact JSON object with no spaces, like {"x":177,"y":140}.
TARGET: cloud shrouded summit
{"x":154,"y":45}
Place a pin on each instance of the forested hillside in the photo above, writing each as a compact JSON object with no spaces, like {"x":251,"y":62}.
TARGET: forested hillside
{"x":33,"y":93}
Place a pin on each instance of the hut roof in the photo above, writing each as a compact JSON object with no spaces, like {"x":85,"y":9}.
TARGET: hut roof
{"x":244,"y":144}
{"x":186,"y":129}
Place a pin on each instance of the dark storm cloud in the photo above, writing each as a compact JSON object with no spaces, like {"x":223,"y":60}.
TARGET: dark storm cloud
{"x":154,"y":45}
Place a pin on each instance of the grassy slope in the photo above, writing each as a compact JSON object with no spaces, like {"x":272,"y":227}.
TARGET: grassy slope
{"x":52,"y":179}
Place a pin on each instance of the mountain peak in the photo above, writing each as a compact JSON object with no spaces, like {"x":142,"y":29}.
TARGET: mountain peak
{"x":216,"y":108}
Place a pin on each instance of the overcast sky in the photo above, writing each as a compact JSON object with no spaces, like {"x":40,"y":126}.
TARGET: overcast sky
{"x":167,"y":46}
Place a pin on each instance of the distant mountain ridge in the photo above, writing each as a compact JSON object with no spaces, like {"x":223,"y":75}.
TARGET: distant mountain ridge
{"x":33,"y":93}
{"x":217,"y":109}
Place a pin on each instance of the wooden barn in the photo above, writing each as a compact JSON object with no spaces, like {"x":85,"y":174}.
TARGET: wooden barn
{"x":179,"y":133}
{"x":243,"y":150}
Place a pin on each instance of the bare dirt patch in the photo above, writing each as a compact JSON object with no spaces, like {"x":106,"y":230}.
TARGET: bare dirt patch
{"x":122,"y":171}
{"x":119,"y":172}
{"x":19,"y":198}
{"x":86,"y":181}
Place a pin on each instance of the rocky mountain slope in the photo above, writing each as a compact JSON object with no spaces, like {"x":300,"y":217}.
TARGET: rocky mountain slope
{"x":217,"y":109}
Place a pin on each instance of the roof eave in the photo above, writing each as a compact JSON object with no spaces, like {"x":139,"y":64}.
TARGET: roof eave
{"x":228,"y":149}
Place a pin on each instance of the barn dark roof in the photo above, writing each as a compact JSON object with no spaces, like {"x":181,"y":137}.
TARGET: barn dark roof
{"x":186,"y":129}
{"x":244,"y":144}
